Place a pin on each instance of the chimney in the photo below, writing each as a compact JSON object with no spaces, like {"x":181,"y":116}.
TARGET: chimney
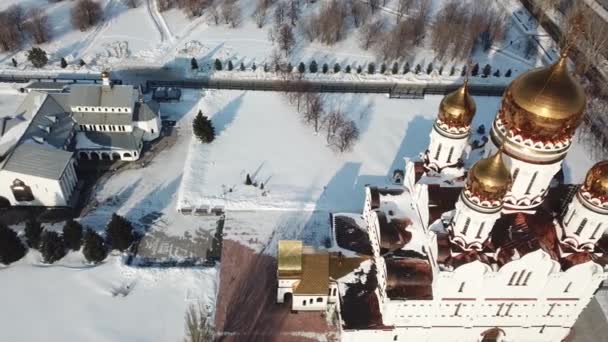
{"x":105,"y":78}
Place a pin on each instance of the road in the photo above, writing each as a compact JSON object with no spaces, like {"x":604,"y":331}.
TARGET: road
{"x":160,"y":77}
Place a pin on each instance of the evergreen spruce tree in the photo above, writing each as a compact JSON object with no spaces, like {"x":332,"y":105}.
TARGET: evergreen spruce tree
{"x":440,"y":71}
{"x":230,"y":66}
{"x":72,"y":235}
{"x":429,"y":69}
{"x":301,"y":68}
{"x":82,"y":62}
{"x":383,"y":68}
{"x":325,"y":68}
{"x":11,"y":248}
{"x":475,"y":70}
{"x":94,"y":249}
{"x":371,"y":68}
{"x":254,"y":67}
{"x":262,"y":186}
{"x":406,"y":68}
{"x":314,"y":68}
{"x":337,"y":68}
{"x":193,"y":64}
{"x":487,"y":70}
{"x":359,"y":69}
{"x":418,"y":69}
{"x":497,"y":73}
{"x":14,"y":62}
{"x":64,"y":63}
{"x":119,"y":233}
{"x":52,"y":247}
{"x":203,"y":128}
{"x":218,"y":64}
{"x":248,"y":180}
{"x":453,"y":71}
{"x":395,"y":69}
{"x":464,"y":71}
{"x":508,"y":73}
{"x":289,"y":67}
{"x":277,"y":67}
{"x":242,"y":66}
{"x":33,"y":233}
{"x":347,"y":69}
{"x":266,"y":69}
{"x":37,"y":57}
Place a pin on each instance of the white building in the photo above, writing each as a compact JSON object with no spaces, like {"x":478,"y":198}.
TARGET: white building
{"x":40,"y":142}
{"x":489,"y":263}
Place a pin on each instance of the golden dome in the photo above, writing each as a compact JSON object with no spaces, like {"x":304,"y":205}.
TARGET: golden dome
{"x":105,"y":74}
{"x":596,"y":182}
{"x":458,"y":107}
{"x":490,"y":178}
{"x":549,"y":102}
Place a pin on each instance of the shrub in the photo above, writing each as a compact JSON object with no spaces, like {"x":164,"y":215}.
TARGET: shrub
{"x":193,"y":64}
{"x":37,"y":57}
{"x":487,"y":70}
{"x":314,"y":68}
{"x":95,"y":249}
{"x":301,"y":68}
{"x":337,"y":68}
{"x":11,"y":247}
{"x":203,"y":128}
{"x":64,"y":63}
{"x":395,"y":69}
{"x":371,"y":68}
{"x":347,"y":69}
{"x":72,"y":235}
{"x":33,"y":233}
{"x":119,"y":233}
{"x":508,"y":73}
{"x":218,"y":64}
{"x":325,"y":68}
{"x":52,"y":247}
{"x":475,"y":70}
{"x":406,"y":68}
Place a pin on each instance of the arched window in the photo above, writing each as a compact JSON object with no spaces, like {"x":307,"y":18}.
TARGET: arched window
{"x":478,"y":236}
{"x":467,"y":222}
{"x":449,"y":154}
{"x":531,"y":182}
{"x":581,"y":226}
{"x":599,"y":225}
{"x":438,"y":152}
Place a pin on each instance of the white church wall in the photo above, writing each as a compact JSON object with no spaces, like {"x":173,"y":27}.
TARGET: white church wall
{"x":583,"y":226}
{"x":150,"y":127}
{"x":472,"y":227}
{"x":309,"y":302}
{"x":46,"y":192}
{"x":285,"y":286}
{"x":444,"y":151}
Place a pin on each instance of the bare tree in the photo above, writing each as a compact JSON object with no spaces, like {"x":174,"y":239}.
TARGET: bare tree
{"x":198,"y":326}
{"x":359,"y":12}
{"x":286,"y":39}
{"x":10,"y":37}
{"x":164,"y":5}
{"x":332,"y":122}
{"x":293,"y":11}
{"x":587,"y":31}
{"x":313,"y":109}
{"x":331,"y":22}
{"x":17,"y":16}
{"x":404,"y":7}
{"x":371,"y":33}
{"x":85,"y":14}
{"x":419,"y":21}
{"x":260,"y":13}
{"x":38,"y":25}
{"x":374,"y":5}
{"x":214,"y":14}
{"x":310,"y":28}
{"x":231,"y":12}
{"x":347,"y":135}
{"x":280,"y":12}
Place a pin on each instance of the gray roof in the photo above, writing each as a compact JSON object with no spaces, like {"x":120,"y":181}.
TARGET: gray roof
{"x":102,"y":96}
{"x":38,"y":160}
{"x":51,"y":125}
{"x":112,"y":140}
{"x":103,"y":118}
{"x":49,"y":86}
{"x":146,"y":111}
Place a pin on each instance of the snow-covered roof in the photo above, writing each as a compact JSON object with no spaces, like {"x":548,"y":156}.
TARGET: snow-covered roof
{"x":38,"y":160}
{"x":110,"y":140}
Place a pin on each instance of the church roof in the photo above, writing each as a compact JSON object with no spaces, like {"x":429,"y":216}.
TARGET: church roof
{"x":289,"y":258}
{"x":38,"y":160}
{"x":315,"y":274}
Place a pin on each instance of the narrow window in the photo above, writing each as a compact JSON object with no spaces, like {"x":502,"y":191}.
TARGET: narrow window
{"x":461,"y":288}
{"x":395,"y":338}
{"x":466,"y":226}
{"x":527,"y":278}
{"x":478,"y":236}
{"x":500,"y":306}
{"x":542,"y":329}
{"x":507,"y":313}
{"x":515,"y":173}
{"x":580,"y":228}
{"x":567,"y":287}
{"x":304,"y":302}
{"x":450,"y":154}
{"x":512,"y":278}
{"x":438,"y":152}
{"x":456,"y":313}
{"x":571,"y":216}
{"x":319,"y":300}
{"x":521,"y":275}
{"x":550,"y":309}
{"x":335,"y":292}
{"x":310,"y":300}
{"x":153,"y":131}
{"x":597,"y":229}
{"x":531,"y":182}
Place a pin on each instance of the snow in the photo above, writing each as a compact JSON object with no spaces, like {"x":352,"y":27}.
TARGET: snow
{"x":261,"y":134}
{"x":73,"y":302}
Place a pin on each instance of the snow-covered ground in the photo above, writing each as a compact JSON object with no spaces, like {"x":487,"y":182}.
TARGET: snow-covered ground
{"x":260,"y":134}
{"x":145,"y":37}
{"x":72,"y":302}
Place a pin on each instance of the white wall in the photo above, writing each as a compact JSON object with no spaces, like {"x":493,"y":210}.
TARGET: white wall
{"x":46,"y":192}
{"x":309,"y":303}
{"x":150,"y":127}
{"x":472,"y":227}
{"x":583,"y":226}
{"x":456,"y":145}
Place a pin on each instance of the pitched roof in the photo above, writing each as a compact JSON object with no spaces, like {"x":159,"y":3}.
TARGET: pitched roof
{"x":315,"y":274}
{"x":102,"y":96}
{"x":38,"y":160}
{"x":290,"y":258}
{"x":146,"y":111}
{"x":110,"y":140}
{"x":48,"y":86}
{"x":51,"y":124}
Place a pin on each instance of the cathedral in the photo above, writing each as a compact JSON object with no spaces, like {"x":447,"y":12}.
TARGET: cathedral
{"x":505,"y":253}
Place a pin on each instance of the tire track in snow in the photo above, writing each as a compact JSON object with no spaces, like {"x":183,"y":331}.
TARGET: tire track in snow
{"x":80,"y":51}
{"x":159,"y":21}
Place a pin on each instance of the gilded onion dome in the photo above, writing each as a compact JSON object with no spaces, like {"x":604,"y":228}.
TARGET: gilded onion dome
{"x":596,"y":182}
{"x":457,"y":108}
{"x":489,"y":178}
{"x":545,"y":103}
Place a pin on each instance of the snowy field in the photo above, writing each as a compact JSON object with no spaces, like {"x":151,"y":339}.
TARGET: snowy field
{"x":72,"y":302}
{"x":143,"y":37}
{"x":260,"y":134}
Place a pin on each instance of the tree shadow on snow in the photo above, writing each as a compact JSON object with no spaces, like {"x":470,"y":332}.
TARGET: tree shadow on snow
{"x":225,"y":116}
